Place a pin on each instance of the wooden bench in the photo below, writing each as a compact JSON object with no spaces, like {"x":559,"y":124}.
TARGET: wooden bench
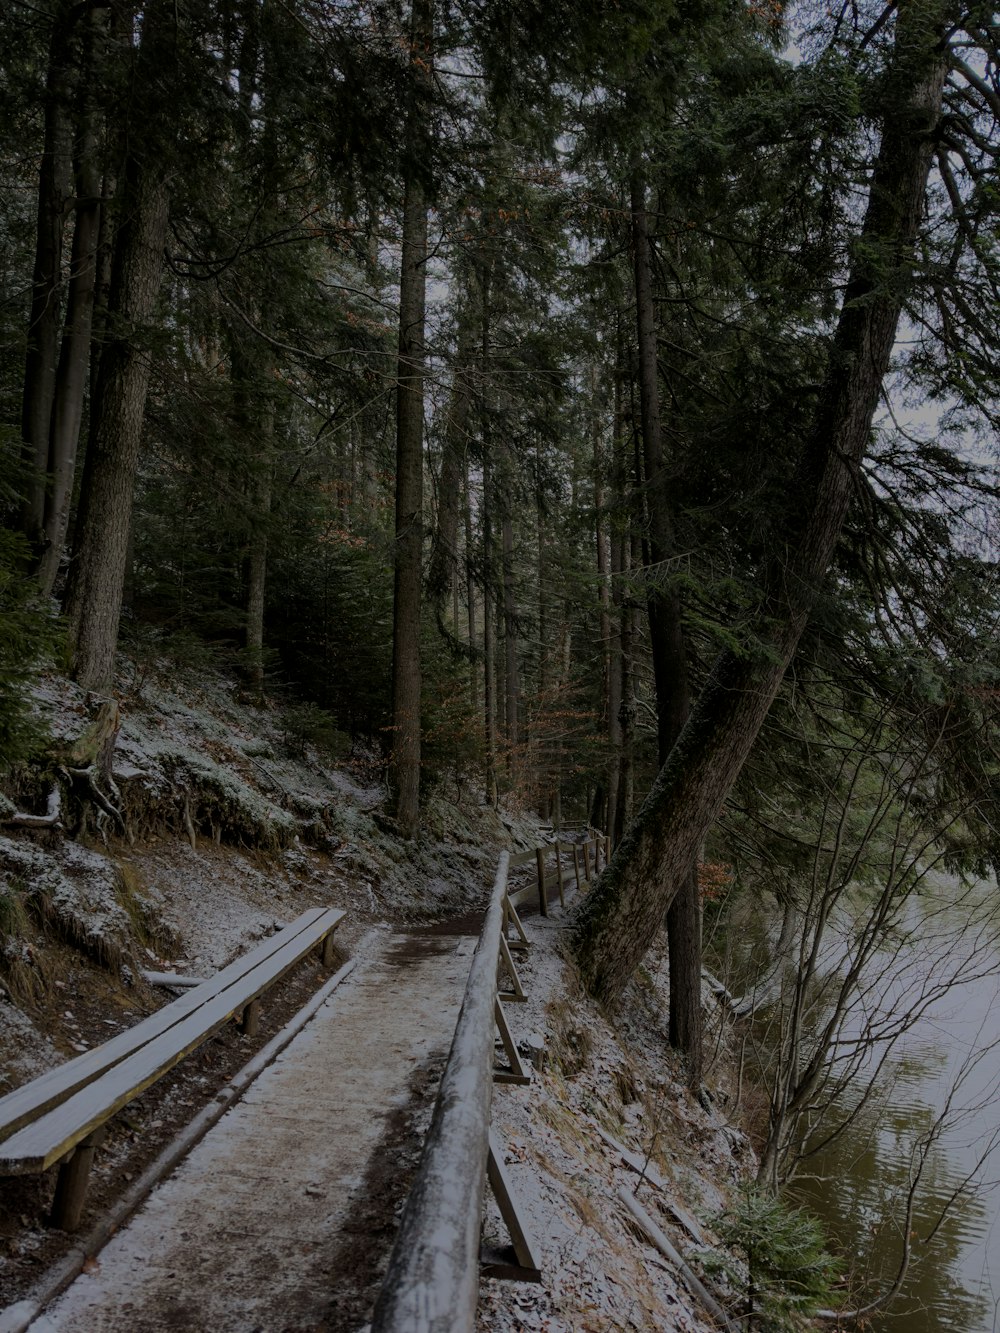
{"x":61,"y":1115}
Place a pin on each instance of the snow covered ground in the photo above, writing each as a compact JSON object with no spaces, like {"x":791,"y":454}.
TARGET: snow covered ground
{"x":599,"y":1082}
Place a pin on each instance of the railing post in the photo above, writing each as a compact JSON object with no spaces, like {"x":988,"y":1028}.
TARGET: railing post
{"x":543,"y":902}
{"x":559,"y":875}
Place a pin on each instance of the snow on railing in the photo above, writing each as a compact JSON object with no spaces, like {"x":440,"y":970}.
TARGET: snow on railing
{"x":432,"y":1281}
{"x":584,"y":860}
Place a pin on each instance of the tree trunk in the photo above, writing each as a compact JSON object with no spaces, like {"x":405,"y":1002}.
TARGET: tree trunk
{"x":670,"y":671}
{"x":55,"y":185}
{"x":673,"y":699}
{"x":443,"y":570}
{"x":72,"y":373}
{"x":626,"y":769}
{"x":470,"y":594}
{"x":404,"y":765}
{"x":616,"y":614}
{"x":489,"y":642}
{"x":511,"y":672}
{"x":489,"y":591}
{"x":102,"y":278}
{"x":546,"y":779}
{"x":97,"y":575}
{"x":257,"y":580}
{"x":620,"y":916}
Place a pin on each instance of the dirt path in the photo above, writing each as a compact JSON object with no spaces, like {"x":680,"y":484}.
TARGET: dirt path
{"x":282,"y":1217}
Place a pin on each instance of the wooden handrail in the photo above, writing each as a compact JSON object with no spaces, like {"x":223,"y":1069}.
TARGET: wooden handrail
{"x":593,"y":853}
{"x":432,"y":1282}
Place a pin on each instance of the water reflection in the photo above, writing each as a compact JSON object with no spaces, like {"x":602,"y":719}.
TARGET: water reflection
{"x":858,"y":1183}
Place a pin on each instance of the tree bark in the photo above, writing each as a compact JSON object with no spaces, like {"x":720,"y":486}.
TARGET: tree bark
{"x":470,"y":592}
{"x":511,"y":672}
{"x":609,"y":639}
{"x":443,"y":570}
{"x":97,"y":576}
{"x":257,"y":574}
{"x":619,"y":917}
{"x":673,"y":698}
{"x":489,"y":642}
{"x":630,"y":635}
{"x":55,"y":186}
{"x":489,"y":591}
{"x":404,"y":764}
{"x":102,"y":277}
{"x":74,"y":358}
{"x":548,"y":776}
{"x":617,"y":548}
{"x":666,"y":633}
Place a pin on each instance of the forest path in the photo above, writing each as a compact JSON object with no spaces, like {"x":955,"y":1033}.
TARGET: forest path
{"x":282,"y":1217}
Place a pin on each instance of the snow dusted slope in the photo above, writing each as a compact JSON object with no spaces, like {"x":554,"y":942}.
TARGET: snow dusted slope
{"x":601,"y":1082}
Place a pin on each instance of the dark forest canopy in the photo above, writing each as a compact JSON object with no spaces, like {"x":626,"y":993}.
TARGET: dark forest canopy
{"x":588,"y":399}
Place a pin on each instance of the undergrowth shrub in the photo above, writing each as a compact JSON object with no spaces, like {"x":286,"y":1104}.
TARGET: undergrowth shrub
{"x":307,"y":724}
{"x":786,"y":1273}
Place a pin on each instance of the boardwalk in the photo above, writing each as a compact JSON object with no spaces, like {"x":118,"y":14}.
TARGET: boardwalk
{"x":271,"y":1223}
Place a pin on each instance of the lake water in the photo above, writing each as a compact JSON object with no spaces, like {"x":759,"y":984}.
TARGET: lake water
{"x":857,"y":1186}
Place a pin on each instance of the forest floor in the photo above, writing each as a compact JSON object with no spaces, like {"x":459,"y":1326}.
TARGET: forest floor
{"x":73,"y":978}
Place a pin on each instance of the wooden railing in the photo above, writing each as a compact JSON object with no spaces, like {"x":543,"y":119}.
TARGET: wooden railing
{"x":560,"y":863}
{"x":432,"y":1281}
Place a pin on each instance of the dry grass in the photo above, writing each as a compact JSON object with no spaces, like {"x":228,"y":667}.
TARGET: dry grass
{"x":147,"y":927}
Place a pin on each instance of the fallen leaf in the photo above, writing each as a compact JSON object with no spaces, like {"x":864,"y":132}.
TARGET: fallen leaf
{"x":91,"y":1266}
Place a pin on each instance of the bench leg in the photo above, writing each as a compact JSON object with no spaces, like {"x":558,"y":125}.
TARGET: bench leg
{"x":328,"y":950}
{"x":250,"y":1021}
{"x":71,"y":1183}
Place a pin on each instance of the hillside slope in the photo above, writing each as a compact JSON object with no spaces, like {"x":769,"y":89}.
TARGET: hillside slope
{"x":233,"y":827}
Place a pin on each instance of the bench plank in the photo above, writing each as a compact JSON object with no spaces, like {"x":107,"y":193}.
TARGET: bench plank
{"x":54,"y":1086}
{"x":36,"y":1146}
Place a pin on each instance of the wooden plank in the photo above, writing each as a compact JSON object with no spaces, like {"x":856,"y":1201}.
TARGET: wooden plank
{"x":515,"y":1074}
{"x":35,"y":1098}
{"x":648,"y":1170}
{"x":522,"y":859}
{"x":525,"y":1249}
{"x":559,"y":875}
{"x":576,"y":865}
{"x":176,"y":979}
{"x":517,"y":991}
{"x":586,"y":862}
{"x":511,"y":916}
{"x":527,"y":893}
{"x":503,"y":1265}
{"x":691,"y":1280}
{"x":36,"y":1146}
